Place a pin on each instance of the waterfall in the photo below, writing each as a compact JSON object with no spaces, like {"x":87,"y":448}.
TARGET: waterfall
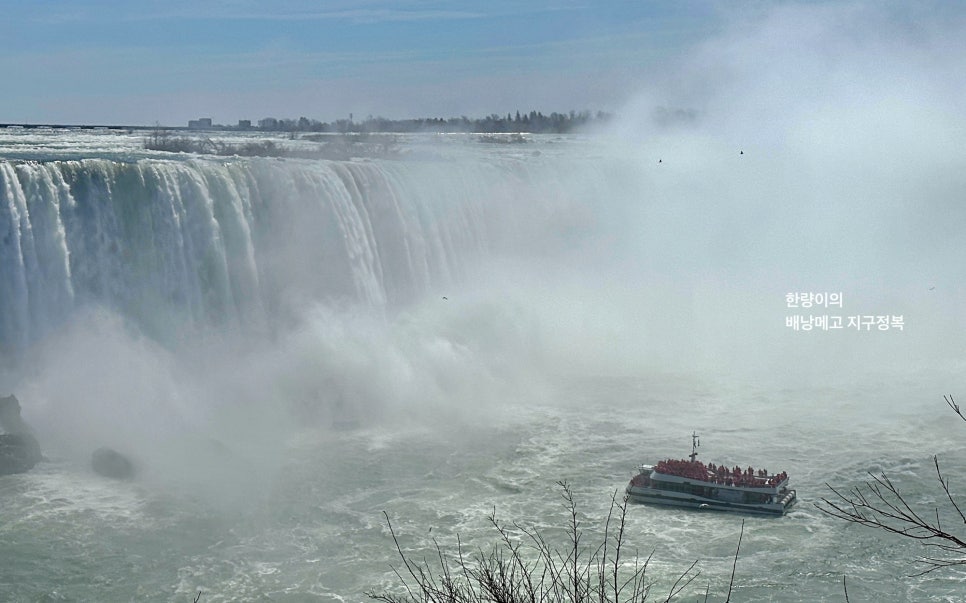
{"x":175,"y":246}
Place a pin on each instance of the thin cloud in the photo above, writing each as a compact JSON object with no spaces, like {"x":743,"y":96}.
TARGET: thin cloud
{"x":233,"y":10}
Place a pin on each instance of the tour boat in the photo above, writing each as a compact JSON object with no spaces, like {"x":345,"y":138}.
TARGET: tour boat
{"x":693,"y":484}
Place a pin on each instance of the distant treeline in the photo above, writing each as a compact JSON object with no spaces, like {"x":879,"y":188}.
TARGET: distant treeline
{"x":533,"y":122}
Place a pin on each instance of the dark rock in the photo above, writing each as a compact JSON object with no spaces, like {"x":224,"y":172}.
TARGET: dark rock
{"x":111,"y":463}
{"x":19,"y":452}
{"x":19,"y":449}
{"x":10,"y":419}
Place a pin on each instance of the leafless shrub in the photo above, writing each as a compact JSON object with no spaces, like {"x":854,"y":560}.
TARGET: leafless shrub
{"x":523,"y":567}
{"x":879,"y":504}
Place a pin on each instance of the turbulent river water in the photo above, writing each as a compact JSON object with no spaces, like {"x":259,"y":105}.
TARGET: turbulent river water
{"x":290,"y":348}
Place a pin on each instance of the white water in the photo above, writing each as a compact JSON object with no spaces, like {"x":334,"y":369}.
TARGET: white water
{"x":270,"y":341}
{"x":200,"y":243}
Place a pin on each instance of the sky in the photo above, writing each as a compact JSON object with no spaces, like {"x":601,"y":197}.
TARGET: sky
{"x":141,"y":62}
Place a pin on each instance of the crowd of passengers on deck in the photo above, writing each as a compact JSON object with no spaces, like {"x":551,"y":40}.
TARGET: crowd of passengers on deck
{"x":720,"y":474}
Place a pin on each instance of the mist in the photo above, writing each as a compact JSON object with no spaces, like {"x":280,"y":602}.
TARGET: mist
{"x":811,"y":148}
{"x":804,"y":149}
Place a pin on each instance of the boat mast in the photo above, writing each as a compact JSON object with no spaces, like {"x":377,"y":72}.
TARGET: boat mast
{"x":695,"y":442}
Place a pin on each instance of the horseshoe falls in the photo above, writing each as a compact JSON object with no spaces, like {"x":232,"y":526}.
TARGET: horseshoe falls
{"x":288,"y":348}
{"x":179,"y":247}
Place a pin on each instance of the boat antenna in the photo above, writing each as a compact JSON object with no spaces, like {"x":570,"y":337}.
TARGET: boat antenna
{"x":695,"y":442}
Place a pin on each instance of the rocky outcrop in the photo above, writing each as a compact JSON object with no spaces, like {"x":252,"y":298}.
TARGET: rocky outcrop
{"x":10,"y":419}
{"x":111,"y":463}
{"x":19,"y":449}
{"x":19,"y":452}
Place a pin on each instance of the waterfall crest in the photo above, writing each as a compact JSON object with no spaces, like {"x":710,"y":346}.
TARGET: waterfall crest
{"x":176,"y":246}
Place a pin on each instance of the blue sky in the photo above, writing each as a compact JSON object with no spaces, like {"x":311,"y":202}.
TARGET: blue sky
{"x":142,"y":62}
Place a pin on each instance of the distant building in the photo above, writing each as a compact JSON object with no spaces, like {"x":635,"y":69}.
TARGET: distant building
{"x":269,"y":123}
{"x":244,"y":124}
{"x":200,"y":124}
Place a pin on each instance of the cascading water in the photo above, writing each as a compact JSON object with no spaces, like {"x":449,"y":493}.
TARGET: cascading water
{"x":175,"y":245}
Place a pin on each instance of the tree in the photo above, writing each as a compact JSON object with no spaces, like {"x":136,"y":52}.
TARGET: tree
{"x":525,"y":568}
{"x":880,"y":504}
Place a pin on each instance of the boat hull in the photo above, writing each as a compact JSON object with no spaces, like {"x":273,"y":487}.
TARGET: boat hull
{"x":646,"y":495}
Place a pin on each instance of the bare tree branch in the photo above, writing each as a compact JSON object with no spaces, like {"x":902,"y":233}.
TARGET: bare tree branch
{"x":952,"y":404}
{"x":735,"y":566}
{"x":524,"y":568}
{"x":879,"y":504}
